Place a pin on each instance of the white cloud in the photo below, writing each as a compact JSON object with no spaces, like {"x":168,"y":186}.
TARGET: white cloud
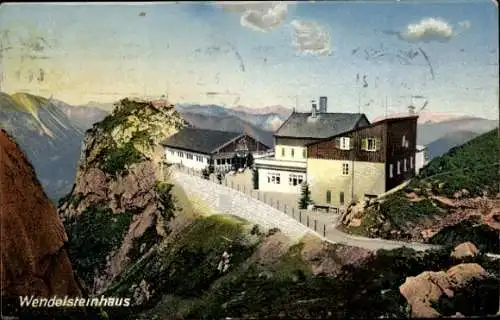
{"x":260,"y":16}
{"x":311,"y":37}
{"x":428,"y":29}
{"x":465,"y":24}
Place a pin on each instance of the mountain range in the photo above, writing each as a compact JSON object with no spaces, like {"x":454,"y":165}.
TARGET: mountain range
{"x":51,"y":131}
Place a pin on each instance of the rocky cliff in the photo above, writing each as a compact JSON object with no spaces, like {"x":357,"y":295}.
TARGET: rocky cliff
{"x":34,"y":256}
{"x":117,"y":186}
{"x":134,"y":233}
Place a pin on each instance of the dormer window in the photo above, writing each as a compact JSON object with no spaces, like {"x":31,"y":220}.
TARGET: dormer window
{"x":344,"y":143}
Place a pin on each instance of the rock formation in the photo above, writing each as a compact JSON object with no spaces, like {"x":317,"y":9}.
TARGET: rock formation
{"x":466,"y":249}
{"x":421,"y":291}
{"x":34,"y":257}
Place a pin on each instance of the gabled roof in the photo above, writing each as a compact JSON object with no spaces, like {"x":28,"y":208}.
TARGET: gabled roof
{"x":302,"y":125}
{"x":200,"y":140}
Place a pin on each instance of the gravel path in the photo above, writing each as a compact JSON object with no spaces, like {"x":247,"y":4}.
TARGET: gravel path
{"x":225,"y":200}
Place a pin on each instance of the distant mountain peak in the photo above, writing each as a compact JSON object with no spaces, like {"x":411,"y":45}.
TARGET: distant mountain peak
{"x":428,"y":117}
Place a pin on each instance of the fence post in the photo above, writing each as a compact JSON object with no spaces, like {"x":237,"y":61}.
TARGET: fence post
{"x":315,"y":224}
{"x":277,"y":204}
{"x":324,"y":230}
{"x":300,"y":216}
{"x":244,"y":189}
{"x":258,"y":195}
{"x":284,"y":208}
{"x":238,"y":187}
{"x":293,"y":212}
{"x":308,"y":221}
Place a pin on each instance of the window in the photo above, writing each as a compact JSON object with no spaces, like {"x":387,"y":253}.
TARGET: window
{"x":369,"y":144}
{"x":391,"y":167}
{"x":218,"y":161}
{"x":180,"y":154}
{"x":304,"y":153}
{"x":328,"y":196}
{"x":273,"y":178}
{"x":295,"y":179}
{"x":345,"y":169}
{"x":282,"y":151}
{"x":341,"y":198}
{"x":399,"y":167}
{"x":228,"y":161}
{"x":208,"y":160}
{"x":404,"y":165}
{"x":189,"y":156}
{"x":223,"y":161}
{"x":345,"y":143}
{"x":171,"y":152}
{"x":293,"y":152}
{"x":199,"y":158}
{"x":411,"y":162}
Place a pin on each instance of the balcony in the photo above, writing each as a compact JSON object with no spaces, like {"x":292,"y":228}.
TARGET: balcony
{"x":272,"y":162}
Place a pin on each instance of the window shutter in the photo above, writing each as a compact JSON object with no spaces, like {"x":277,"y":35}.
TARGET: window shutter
{"x":337,"y":142}
{"x":364,"y":144}
{"x":378,"y":144}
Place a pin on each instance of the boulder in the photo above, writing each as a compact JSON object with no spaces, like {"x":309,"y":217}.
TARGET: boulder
{"x":466,"y":249}
{"x":423,"y":290}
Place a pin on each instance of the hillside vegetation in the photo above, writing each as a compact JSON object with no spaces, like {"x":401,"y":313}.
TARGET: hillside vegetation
{"x":473,"y":166}
{"x":455,"y":197}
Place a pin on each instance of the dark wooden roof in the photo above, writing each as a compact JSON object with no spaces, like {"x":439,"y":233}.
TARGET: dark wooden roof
{"x":374,"y":124}
{"x":200,"y":140}
{"x":324,"y":125}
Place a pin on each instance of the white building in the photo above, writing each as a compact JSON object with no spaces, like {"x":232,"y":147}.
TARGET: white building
{"x":287,"y":170}
{"x":421,"y":158}
{"x":198,"y":148}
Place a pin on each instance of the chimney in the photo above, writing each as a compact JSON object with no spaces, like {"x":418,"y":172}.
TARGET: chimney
{"x":314,"y":109}
{"x":323,"y":104}
{"x":411,"y":110}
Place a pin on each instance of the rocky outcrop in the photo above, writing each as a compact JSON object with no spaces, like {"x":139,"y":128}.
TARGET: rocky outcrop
{"x":466,"y":249}
{"x":119,"y":170}
{"x":34,"y":258}
{"x":428,"y":287}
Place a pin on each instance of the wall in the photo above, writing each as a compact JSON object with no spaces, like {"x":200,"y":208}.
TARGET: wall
{"x":323,"y":175}
{"x":298,"y":153}
{"x":284,"y":182}
{"x":186,"y":162}
{"x":328,"y":149}
{"x":396,"y":129}
{"x":419,"y":161}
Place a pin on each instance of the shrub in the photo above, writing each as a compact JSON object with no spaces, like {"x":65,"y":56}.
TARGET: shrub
{"x":305,"y":198}
{"x":118,"y":158}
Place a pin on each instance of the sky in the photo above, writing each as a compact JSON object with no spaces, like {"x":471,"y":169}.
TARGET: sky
{"x":376,"y":57}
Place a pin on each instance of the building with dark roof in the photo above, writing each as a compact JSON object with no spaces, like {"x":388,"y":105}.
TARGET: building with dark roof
{"x":362,"y":163}
{"x":286,"y":170}
{"x":198,"y":148}
{"x":342,"y":156}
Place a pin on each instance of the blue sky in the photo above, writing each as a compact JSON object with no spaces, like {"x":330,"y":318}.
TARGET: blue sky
{"x":259,"y":54}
